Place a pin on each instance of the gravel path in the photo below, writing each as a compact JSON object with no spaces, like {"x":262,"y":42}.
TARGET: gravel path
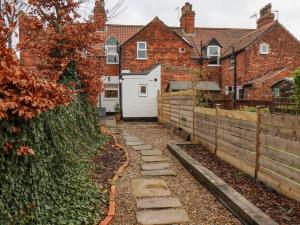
{"x":202,"y":207}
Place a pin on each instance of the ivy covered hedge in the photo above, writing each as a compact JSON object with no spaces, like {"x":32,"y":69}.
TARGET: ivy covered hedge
{"x":54,"y":186}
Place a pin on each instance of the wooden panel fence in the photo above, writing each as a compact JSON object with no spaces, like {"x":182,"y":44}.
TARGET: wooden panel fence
{"x":265,"y":146}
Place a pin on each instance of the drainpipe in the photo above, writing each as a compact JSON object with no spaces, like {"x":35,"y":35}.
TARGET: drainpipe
{"x":120,"y":77}
{"x":234,"y":78}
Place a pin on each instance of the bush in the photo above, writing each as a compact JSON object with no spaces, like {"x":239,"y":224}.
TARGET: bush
{"x":296,"y":96}
{"x":54,"y":186}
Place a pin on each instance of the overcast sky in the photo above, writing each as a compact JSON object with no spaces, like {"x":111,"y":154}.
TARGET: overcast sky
{"x":209,"y":13}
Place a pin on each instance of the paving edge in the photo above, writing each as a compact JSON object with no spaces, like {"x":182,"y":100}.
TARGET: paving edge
{"x":243,"y":209}
{"x":113,"y":190}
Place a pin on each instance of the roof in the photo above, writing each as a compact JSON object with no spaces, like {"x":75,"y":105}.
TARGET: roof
{"x":225,"y":36}
{"x":286,"y":79}
{"x":247,"y":40}
{"x":186,"y":85}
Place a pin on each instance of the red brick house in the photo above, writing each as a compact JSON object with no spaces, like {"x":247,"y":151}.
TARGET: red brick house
{"x":132,"y":53}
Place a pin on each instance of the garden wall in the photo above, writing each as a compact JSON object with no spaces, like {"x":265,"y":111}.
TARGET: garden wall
{"x":265,"y":146}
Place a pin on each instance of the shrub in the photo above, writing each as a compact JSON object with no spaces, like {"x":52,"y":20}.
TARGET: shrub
{"x":54,"y":186}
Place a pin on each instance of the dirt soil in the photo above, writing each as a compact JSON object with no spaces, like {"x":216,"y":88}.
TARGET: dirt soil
{"x":110,"y":159}
{"x":279,"y":208}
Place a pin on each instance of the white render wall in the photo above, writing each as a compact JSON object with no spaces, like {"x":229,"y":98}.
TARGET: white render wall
{"x":109,"y":103}
{"x":135,"y":106}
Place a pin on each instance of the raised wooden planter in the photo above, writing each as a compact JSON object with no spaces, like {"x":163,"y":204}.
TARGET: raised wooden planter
{"x":244,"y":210}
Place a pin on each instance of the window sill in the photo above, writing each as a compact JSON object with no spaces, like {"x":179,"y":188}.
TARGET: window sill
{"x":142,"y":59}
{"x":107,"y":63}
{"x":212,"y":65}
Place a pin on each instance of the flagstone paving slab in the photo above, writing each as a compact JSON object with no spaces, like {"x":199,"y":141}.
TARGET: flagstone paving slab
{"x":143,"y":147}
{"x":164,"y":172}
{"x":155,"y":158}
{"x":134,"y":143}
{"x":158,"y":203}
{"x":155,"y":166}
{"x":166,"y":216}
{"x":151,"y":152}
{"x":150,"y":188}
{"x":132,"y":138}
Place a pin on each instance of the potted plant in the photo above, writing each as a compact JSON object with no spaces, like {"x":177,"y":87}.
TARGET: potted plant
{"x":118,"y":112}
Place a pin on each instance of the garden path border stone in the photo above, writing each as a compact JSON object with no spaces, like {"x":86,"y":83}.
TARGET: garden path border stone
{"x":244,"y":210}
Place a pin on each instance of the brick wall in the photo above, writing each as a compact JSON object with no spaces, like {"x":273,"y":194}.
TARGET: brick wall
{"x":163,"y":47}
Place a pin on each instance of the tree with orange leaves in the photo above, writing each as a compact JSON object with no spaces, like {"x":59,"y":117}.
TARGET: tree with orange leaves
{"x":68,"y":40}
{"x":23,"y":95}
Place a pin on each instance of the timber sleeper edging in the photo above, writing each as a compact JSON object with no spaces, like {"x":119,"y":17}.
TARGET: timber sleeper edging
{"x":113,"y":192}
{"x":243,"y":209}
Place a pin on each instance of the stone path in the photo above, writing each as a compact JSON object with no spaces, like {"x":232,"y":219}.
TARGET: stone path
{"x":155,"y":202}
{"x":165,"y":192}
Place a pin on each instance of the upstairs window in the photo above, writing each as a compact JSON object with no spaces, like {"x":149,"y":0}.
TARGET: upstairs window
{"x":264,"y":49}
{"x":111,"y":50}
{"x":112,"y":55}
{"x":142,"y":50}
{"x":213,"y":54}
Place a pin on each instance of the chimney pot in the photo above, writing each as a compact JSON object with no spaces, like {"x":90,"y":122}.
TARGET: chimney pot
{"x":266,"y":16}
{"x":187,"y":20}
{"x":100,"y":15}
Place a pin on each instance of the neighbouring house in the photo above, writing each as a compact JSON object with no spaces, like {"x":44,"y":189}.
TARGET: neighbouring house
{"x":140,"y":61}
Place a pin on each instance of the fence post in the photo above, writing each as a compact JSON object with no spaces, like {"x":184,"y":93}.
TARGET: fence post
{"x":179,"y":109}
{"x":169,"y":115}
{"x":218,"y":106}
{"x":194,"y":106}
{"x":257,"y":141}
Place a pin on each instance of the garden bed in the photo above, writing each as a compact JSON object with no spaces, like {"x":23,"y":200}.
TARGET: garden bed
{"x":110,"y":159}
{"x":280,"y":209}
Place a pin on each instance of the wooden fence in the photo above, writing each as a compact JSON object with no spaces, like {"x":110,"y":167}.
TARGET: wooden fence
{"x":265,"y":146}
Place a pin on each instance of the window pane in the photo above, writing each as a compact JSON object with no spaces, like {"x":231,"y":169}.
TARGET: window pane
{"x":142,"y":45}
{"x":213,"y":51}
{"x":142,"y":54}
{"x":111,"y":93}
{"x":214,"y":60}
{"x":111,"y":49}
{"x":113,"y":58}
{"x":264,"y":48}
{"x":143,"y":90}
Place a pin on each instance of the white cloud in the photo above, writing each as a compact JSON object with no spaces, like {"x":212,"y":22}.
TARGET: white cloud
{"x":209,"y":13}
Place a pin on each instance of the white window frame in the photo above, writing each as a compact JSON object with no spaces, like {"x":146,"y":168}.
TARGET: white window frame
{"x":139,"y":50}
{"x":262,"y":52}
{"x":143,"y":94}
{"x":214,"y":55}
{"x":238,"y":88}
{"x":112,"y":54}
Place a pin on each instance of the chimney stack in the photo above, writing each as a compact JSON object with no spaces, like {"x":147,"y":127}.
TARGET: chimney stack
{"x":266,"y":16}
{"x":100,"y":15}
{"x":187,"y":20}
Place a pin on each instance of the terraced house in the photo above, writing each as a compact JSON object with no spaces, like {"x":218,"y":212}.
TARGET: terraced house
{"x":141,"y":61}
